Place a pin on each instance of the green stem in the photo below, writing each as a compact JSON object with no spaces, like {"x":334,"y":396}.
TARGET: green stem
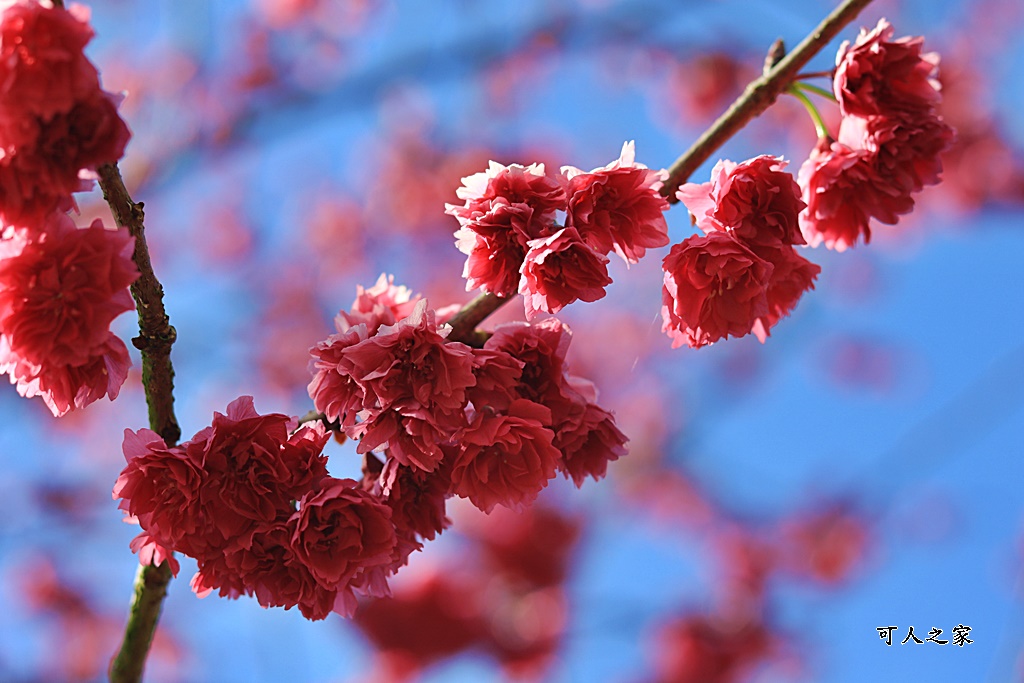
{"x":819,"y":123}
{"x":827,"y":94}
{"x":758,"y":96}
{"x":147,"y":598}
{"x":816,"y":74}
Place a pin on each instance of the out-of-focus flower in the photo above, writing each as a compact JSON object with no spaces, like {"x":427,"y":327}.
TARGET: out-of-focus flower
{"x":60,"y":288}
{"x":56,"y":124}
{"x":43,"y":70}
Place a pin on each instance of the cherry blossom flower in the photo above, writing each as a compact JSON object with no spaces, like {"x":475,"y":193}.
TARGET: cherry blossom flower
{"x":505,"y":459}
{"x":60,"y":289}
{"x":792,"y":276}
{"x":589,"y":445}
{"x":496,"y":248}
{"x":56,"y":124}
{"x":905,"y":154}
{"x":414,"y":386}
{"x":505,"y":207}
{"x":340,"y":531}
{"x":511,"y":185}
{"x":43,"y":70}
{"x":559,"y":270}
{"x":843,"y":190}
{"x":382,"y":304}
{"x":881,"y":76}
{"x":333,"y":390}
{"x":714,"y":288}
{"x":618,"y":206}
{"x":756,"y":200}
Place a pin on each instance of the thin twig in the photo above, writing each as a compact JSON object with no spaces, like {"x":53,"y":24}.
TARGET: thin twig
{"x":758,"y":96}
{"x":154,"y":341}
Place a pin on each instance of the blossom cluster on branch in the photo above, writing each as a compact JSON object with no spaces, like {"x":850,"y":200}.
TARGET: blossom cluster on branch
{"x":255,"y":507}
{"x":744,"y":274}
{"x":888,"y":144}
{"x":514,"y":243}
{"x":60,"y":286}
{"x":493,"y":416}
{"x":496,"y":423}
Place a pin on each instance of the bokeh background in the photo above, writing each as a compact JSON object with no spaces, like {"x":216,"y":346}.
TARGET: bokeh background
{"x":861,"y":469}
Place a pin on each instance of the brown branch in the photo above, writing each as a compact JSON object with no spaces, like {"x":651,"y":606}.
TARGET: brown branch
{"x":154,"y":341}
{"x":758,"y":96}
{"x":472,"y":314}
{"x":155,"y":332}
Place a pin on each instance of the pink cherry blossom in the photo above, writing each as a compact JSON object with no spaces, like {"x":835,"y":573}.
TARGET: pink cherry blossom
{"x":541,"y":347}
{"x":618,"y":207}
{"x":496,"y":246}
{"x":340,"y":531}
{"x":505,"y":459}
{"x":334,"y":391}
{"x":757,"y":201}
{"x":159,"y":487}
{"x":792,"y":276}
{"x":906,"y":155}
{"x":714,"y":288}
{"x":38,"y":175}
{"x":382,"y":304}
{"x":843,"y":189}
{"x":591,"y":440}
{"x":881,"y":76}
{"x":511,"y":185}
{"x":559,"y":270}
{"x":60,"y":288}
{"x":43,"y":70}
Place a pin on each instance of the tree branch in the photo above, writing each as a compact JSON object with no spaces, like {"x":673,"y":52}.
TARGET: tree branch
{"x":758,"y":96}
{"x":472,"y":314}
{"x":154,"y":341}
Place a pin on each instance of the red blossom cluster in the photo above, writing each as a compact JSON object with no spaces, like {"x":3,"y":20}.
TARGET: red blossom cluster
{"x":515,"y":244}
{"x":254,"y":505}
{"x":491,"y":424}
{"x":56,"y":124}
{"x":60,"y":287}
{"x":743,"y":275}
{"x":889,"y":139}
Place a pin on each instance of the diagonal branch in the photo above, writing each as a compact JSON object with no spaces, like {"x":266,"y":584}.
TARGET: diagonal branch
{"x":758,"y":96}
